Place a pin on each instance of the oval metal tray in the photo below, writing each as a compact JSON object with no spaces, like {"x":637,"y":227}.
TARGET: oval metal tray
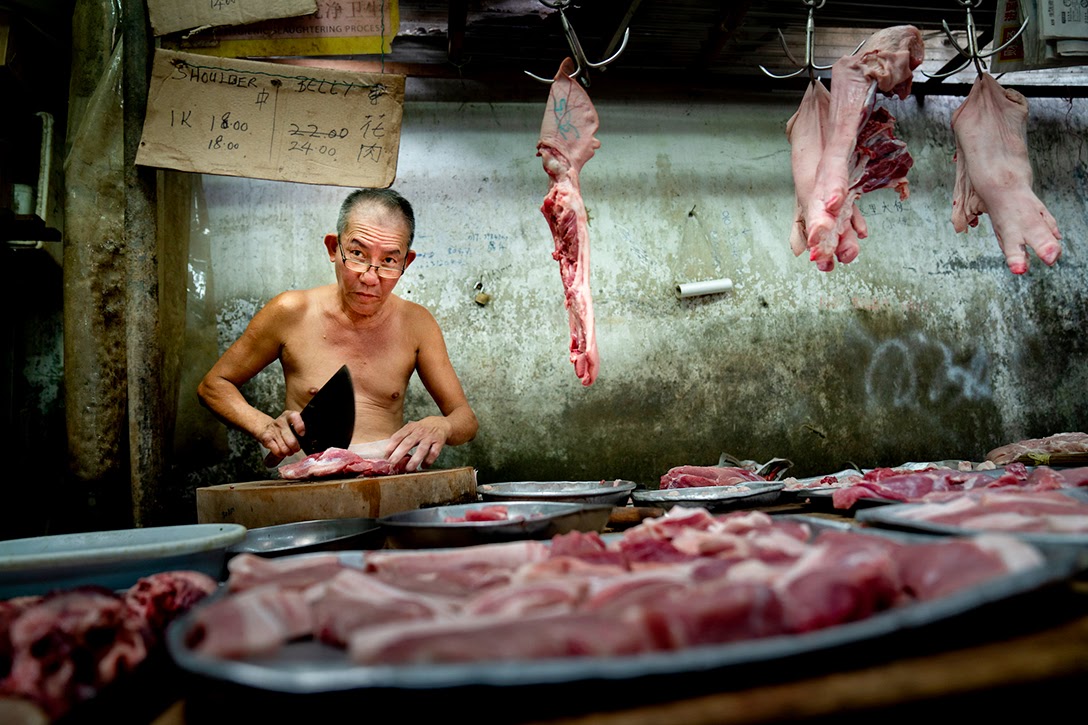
{"x":615,"y":492}
{"x":302,"y":537}
{"x":429,"y":528}
{"x":309,"y":667}
{"x":712,"y":498}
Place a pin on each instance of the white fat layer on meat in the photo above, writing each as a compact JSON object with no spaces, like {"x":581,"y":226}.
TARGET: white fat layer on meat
{"x":932,"y":510}
{"x":1017,"y":555}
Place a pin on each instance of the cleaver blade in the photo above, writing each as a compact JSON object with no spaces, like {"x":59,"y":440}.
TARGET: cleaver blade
{"x":330,"y":415}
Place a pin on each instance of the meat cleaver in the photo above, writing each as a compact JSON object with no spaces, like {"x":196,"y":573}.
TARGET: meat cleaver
{"x":330,"y":415}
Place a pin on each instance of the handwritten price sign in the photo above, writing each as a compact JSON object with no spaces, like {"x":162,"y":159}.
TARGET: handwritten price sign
{"x":271,"y":121}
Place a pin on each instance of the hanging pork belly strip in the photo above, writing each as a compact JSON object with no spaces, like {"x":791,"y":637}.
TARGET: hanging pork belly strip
{"x":566,"y":144}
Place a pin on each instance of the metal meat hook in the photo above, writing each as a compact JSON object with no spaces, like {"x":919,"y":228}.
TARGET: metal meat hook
{"x":810,"y":31}
{"x":581,"y":62}
{"x":971,"y":52}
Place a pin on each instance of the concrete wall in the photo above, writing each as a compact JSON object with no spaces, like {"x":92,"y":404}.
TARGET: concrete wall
{"x":924,"y":348}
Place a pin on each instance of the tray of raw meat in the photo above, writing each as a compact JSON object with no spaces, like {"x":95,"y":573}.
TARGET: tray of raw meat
{"x":717,"y":488}
{"x":824,"y":486}
{"x":1058,"y":517}
{"x":798,"y":489}
{"x":716,"y":499}
{"x":1060,"y":449}
{"x":886,"y":486}
{"x":686,"y":595}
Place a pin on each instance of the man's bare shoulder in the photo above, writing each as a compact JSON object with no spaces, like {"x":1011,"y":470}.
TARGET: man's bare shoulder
{"x":416,"y":314}
{"x":293,"y":303}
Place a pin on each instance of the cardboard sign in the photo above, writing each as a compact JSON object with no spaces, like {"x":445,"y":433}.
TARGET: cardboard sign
{"x":169,"y":16}
{"x":271,"y":121}
{"x":365,"y":27}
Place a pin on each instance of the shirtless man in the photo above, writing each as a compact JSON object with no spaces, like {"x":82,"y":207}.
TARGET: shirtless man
{"x":382,"y":338}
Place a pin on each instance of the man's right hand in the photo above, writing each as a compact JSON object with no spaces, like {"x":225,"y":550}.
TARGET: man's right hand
{"x":279,"y":436}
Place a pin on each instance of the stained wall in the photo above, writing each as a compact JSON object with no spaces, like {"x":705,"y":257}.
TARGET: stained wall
{"x":924,"y":348}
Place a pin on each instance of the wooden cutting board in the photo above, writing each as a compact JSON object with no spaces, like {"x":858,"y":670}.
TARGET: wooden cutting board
{"x":267,"y":503}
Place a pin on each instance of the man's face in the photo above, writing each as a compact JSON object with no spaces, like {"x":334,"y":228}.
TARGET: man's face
{"x":373,"y":237}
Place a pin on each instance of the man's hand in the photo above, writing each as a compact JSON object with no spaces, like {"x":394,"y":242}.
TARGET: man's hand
{"x":428,"y":436}
{"x":279,"y":436}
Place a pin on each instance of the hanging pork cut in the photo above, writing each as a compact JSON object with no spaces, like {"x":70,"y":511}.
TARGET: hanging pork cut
{"x":993,"y":175}
{"x":566,"y":144}
{"x":806,"y":131}
{"x":860,"y":152}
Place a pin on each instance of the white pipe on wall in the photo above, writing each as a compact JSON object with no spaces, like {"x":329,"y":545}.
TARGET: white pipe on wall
{"x":704,"y":287}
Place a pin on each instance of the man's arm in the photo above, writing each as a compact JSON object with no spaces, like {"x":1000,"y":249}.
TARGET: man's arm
{"x":258,"y":347}
{"x":457,"y":424}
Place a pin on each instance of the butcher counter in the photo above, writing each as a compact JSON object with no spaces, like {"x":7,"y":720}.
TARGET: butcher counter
{"x":1026,"y":655}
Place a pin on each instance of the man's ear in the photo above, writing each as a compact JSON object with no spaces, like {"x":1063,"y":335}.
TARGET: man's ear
{"x":330,"y":245}
{"x":409,"y":258}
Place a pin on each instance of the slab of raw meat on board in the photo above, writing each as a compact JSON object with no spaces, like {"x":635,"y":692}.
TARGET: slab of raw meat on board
{"x":993,"y":175}
{"x":337,"y":462}
{"x":859,"y":153}
{"x":566,"y":144}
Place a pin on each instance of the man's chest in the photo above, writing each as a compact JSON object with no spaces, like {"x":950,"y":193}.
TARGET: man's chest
{"x":381,"y":361}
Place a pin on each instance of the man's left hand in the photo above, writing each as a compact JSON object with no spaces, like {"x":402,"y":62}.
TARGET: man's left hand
{"x":427,"y":436}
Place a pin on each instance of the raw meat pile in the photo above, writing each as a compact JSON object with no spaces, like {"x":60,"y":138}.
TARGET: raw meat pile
{"x":684,"y":579}
{"x":933,"y":483}
{"x":1008,"y":511}
{"x":853,"y":476}
{"x":62,"y":648}
{"x":829,"y":481}
{"x":566,"y":144}
{"x":993,"y":175}
{"x":340,"y":462}
{"x":1059,"y":443}
{"x":843,"y":147}
{"x":692,"y":476}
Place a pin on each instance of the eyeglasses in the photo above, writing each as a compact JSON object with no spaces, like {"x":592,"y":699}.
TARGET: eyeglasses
{"x":389,"y":271}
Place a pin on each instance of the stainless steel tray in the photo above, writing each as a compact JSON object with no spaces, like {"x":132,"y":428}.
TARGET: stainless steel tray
{"x":303,"y":537}
{"x":615,"y":492}
{"x":312,"y":668}
{"x":715,"y":499}
{"x":428,"y":528}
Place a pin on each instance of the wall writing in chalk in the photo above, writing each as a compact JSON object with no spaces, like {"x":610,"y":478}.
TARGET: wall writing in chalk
{"x":271,"y":121}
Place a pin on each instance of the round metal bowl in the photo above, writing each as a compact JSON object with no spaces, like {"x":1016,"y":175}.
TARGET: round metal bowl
{"x":303,"y":537}
{"x":431,"y":527}
{"x":615,"y":492}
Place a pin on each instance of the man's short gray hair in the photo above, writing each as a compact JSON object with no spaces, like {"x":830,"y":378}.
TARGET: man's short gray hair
{"x":386,"y":198}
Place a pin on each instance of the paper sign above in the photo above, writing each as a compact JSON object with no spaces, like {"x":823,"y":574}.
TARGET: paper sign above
{"x":272,"y":121}
{"x":169,"y":16}
{"x":355,"y":28}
